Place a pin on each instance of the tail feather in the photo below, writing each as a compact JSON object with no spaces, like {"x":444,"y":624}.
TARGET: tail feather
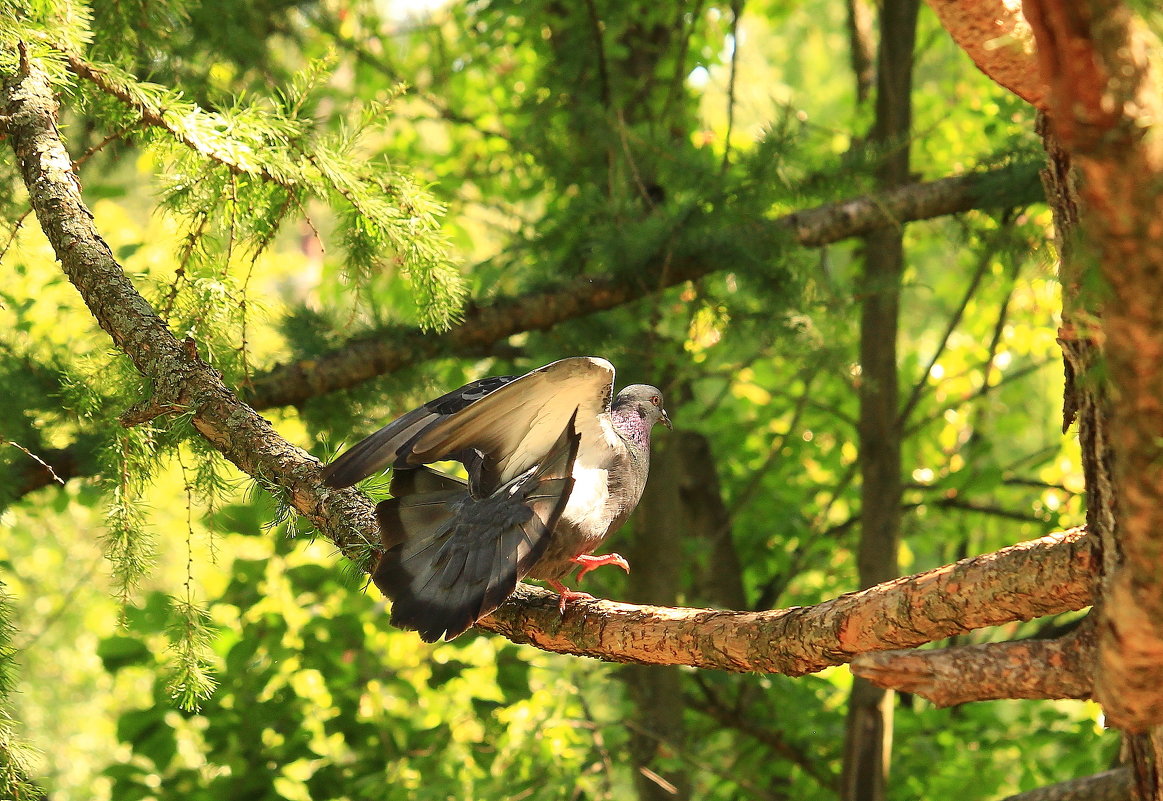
{"x":452,"y":558}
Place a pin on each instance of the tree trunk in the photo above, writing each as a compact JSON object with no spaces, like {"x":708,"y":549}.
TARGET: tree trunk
{"x":868,"y":737}
{"x":682,"y":506}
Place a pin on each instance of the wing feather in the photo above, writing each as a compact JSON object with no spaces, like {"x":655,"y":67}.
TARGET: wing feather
{"x":514,"y":427}
{"x":391,"y":443}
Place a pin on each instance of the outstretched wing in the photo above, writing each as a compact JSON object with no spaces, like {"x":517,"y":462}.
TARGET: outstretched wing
{"x":452,"y":558}
{"x":391,"y":443}
{"x":514,"y":427}
{"x":498,"y":428}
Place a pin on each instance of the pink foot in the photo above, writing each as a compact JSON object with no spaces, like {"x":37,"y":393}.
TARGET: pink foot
{"x":588,"y":562}
{"x":566,"y":594}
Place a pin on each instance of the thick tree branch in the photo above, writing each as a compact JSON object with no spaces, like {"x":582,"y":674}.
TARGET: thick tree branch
{"x":1032,"y":579}
{"x":1061,"y":668}
{"x":387,"y":349}
{"x":1111,"y":785}
{"x":179,"y":378}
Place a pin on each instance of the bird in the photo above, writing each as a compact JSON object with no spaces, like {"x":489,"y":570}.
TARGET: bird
{"x":556,"y":462}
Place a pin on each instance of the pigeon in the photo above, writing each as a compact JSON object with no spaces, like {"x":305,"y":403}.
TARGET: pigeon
{"x":555,"y":462}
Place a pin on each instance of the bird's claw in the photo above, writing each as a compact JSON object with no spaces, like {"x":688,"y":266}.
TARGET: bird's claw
{"x":565,"y":595}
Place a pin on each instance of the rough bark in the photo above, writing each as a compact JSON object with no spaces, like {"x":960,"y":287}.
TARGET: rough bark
{"x":868,"y":730}
{"x":1105,"y":104}
{"x":1060,"y":668}
{"x":1104,"y":112}
{"x":180,"y":380}
{"x":1041,"y":577}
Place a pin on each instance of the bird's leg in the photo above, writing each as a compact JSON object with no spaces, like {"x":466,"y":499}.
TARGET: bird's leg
{"x":566,"y":594}
{"x":588,"y":562}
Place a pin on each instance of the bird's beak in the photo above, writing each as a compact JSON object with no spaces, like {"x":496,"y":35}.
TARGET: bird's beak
{"x":665,"y":420}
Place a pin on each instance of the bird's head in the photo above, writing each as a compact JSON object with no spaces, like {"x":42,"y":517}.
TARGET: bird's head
{"x":646,"y":400}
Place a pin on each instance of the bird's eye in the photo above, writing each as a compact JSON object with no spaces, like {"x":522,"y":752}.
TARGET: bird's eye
{"x":657,"y":401}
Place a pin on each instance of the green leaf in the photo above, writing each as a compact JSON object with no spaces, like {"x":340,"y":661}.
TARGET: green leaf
{"x":120,"y":651}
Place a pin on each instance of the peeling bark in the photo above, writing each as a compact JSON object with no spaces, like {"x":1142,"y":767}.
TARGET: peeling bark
{"x":1103,"y":97}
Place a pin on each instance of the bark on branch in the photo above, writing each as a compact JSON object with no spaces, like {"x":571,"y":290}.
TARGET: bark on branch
{"x":178,"y":377}
{"x":1061,"y":668}
{"x":1041,"y":577}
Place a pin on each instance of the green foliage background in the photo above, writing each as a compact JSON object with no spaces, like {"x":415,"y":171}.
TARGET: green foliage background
{"x":316,"y":171}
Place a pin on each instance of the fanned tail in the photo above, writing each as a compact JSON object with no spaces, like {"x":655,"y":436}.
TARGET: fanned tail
{"x":451,"y":558}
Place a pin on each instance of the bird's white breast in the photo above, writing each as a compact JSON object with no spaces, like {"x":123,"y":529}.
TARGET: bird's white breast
{"x":588,"y":504}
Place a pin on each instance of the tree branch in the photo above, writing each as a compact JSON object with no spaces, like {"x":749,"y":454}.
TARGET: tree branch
{"x":387,"y":349}
{"x":1061,"y":668}
{"x":178,"y":376}
{"x":1041,"y":577}
{"x":1111,"y":785}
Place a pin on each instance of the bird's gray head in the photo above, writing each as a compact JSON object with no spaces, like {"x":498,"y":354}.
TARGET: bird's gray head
{"x":646,"y":401}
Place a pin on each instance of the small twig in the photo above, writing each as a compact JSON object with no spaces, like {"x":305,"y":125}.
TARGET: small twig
{"x":184,"y":257}
{"x":35,"y":458}
{"x":694,"y":761}
{"x":772,"y":739}
{"x":15,"y":230}
{"x":606,"y":760}
{"x":923,"y":379}
{"x":88,"y":154}
{"x":148,"y":410}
